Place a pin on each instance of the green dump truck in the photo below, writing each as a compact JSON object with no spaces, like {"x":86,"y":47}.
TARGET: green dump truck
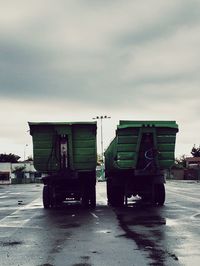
{"x":66,"y":154}
{"x":136,"y":159}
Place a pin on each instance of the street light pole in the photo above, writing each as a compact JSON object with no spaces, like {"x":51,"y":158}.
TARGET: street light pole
{"x":101,"y":123}
{"x":25,"y":151}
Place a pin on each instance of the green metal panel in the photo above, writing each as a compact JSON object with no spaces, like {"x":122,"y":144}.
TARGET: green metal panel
{"x":84,"y":146}
{"x":123,"y":164}
{"x":124,"y":150}
{"x":126,"y":155}
{"x":126,"y":147}
{"x":127,"y":139}
{"x":166,"y":139}
{"x":81,"y":138}
{"x":139,"y":124}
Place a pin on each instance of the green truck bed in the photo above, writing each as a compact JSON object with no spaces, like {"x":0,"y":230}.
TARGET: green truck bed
{"x":123,"y":151}
{"x":81,"y":138}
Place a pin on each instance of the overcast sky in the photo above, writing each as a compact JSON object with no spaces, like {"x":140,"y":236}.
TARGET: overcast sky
{"x":71,"y":60}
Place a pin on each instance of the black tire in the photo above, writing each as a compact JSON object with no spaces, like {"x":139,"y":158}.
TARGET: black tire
{"x":108,"y":192}
{"x":93,"y":197}
{"x":146,"y":198}
{"x":159,"y":194}
{"x":116,"y":196}
{"x":120,"y":197}
{"x":46,"y":197}
{"x":85,"y":198}
{"x":112,"y":195}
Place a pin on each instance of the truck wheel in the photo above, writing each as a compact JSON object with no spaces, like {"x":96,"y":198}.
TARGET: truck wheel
{"x":85,"y":198}
{"x":46,"y":197}
{"x":116,"y":196}
{"x":112,"y":195}
{"x":159,"y":194}
{"x":111,"y":198}
{"x":93,"y":197}
{"x":120,"y":197}
{"x":108,"y":192}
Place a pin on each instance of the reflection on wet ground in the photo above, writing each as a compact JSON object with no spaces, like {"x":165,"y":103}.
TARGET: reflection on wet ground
{"x":146,"y":225}
{"x":167,"y":235}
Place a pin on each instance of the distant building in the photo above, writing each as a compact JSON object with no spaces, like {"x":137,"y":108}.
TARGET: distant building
{"x":192,"y":171}
{"x":20,"y":170}
{"x":5,"y":173}
{"x":192,"y":162}
{"x":177,"y":173}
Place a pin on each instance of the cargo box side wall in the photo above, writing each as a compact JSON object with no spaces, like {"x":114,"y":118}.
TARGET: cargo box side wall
{"x":44,"y":152}
{"x":135,"y":160}
{"x":122,"y":154}
{"x":84,"y":147}
{"x":129,"y":142}
{"x":110,"y":155}
{"x":166,"y":138}
{"x":81,"y":147}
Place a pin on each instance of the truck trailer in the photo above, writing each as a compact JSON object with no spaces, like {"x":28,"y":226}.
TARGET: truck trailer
{"x":66,"y":153}
{"x":136,"y":160}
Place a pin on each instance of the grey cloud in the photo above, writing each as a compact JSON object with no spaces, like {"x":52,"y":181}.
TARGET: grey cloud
{"x":71,"y":59}
{"x":165,"y":79}
{"x":33,"y":79}
{"x":186,"y":14}
{"x":36,"y":66}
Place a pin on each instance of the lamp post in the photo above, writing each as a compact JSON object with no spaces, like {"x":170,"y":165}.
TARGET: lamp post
{"x":101,"y":118}
{"x":25,"y":151}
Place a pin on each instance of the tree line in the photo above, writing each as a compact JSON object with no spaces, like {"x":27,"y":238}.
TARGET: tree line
{"x":11,"y":158}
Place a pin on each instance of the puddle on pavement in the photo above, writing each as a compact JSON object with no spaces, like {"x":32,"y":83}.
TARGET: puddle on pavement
{"x":10,"y":243}
{"x":96,"y":252}
{"x":147,"y":231}
{"x":70,"y":225}
{"x":85,"y":257}
{"x":82,"y":264}
{"x":46,"y":264}
{"x":150,"y":221}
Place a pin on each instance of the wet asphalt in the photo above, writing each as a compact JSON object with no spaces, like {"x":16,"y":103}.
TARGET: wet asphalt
{"x":137,"y":234}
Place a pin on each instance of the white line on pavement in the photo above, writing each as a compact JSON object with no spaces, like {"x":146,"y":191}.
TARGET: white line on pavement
{"x":19,"y":217}
{"x":3,"y":197}
{"x":94,"y":215}
{"x":193,"y":198}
